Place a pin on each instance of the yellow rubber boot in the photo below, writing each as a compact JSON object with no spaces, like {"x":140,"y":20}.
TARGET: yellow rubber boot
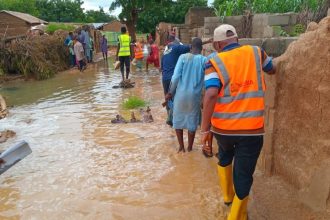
{"x":238,"y":209}
{"x":226,"y":183}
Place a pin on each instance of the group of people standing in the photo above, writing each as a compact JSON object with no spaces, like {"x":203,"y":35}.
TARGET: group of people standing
{"x":228,"y":87}
{"x":80,"y":46}
{"x":135,"y":52}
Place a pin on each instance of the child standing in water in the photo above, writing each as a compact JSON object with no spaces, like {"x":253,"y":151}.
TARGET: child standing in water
{"x":104,"y":47}
{"x":153,"y":57}
{"x":138,"y":55}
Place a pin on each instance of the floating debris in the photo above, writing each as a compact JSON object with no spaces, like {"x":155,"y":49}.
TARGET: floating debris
{"x":3,"y":108}
{"x":118,"y":120}
{"x":5,"y":135}
{"x":147,"y":116}
{"x":125,"y":84}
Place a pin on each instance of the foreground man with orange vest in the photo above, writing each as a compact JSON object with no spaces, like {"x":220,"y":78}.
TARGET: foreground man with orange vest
{"x":233,"y":112}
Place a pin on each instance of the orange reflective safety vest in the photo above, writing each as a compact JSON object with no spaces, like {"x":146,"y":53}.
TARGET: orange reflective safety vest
{"x":240,"y":103}
{"x":138,"y":51}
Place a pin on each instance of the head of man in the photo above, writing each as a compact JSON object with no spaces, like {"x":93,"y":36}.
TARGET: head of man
{"x":196,"y":46}
{"x":224,"y":35}
{"x":123,"y":30}
{"x":75,"y":38}
{"x":71,"y":34}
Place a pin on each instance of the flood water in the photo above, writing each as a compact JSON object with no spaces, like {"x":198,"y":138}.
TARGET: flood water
{"x":84,"y":167}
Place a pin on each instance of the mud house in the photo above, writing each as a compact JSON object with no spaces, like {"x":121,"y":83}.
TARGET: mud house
{"x":113,"y":26}
{"x":14,"y":23}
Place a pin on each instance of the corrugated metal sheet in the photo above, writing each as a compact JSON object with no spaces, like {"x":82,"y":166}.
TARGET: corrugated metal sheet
{"x":26,"y":17}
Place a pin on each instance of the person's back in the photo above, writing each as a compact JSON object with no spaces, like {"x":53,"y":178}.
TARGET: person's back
{"x":191,"y":81}
{"x":170,"y":58}
{"x":78,"y":50}
{"x":243,"y":81}
{"x":154,"y":51}
{"x":124,"y":52}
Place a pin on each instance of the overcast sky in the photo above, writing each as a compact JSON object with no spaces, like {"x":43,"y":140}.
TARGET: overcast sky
{"x":94,"y":5}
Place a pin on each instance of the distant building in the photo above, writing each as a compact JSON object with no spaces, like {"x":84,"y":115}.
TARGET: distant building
{"x":113,"y":26}
{"x":14,"y":23}
{"x":98,"y":26}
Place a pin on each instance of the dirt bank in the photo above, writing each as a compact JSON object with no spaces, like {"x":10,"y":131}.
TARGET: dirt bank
{"x":300,"y":186}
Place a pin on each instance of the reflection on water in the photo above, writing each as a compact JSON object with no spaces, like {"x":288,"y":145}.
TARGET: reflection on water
{"x":84,"y":167}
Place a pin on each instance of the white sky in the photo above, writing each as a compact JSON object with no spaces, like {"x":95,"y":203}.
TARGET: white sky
{"x":94,"y":5}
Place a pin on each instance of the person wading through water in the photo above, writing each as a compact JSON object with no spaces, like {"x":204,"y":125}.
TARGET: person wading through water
{"x":234,"y":113}
{"x":124,"y":52}
{"x":187,"y":84}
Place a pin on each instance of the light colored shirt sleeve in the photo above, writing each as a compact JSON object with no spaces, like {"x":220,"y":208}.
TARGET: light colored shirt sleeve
{"x":177,"y":74}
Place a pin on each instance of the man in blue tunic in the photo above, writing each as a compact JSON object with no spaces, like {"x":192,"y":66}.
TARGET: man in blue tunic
{"x":187,"y":83}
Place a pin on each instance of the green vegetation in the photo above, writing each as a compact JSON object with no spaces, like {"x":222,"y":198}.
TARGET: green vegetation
{"x":52,"y":27}
{"x":57,"y":10}
{"x":238,"y":7}
{"x":134,"y":102}
{"x":143,"y":16}
{"x":298,"y":29}
{"x":280,"y":32}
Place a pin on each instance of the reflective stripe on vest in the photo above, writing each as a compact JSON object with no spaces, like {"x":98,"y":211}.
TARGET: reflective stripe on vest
{"x":124,"y":41}
{"x":240,"y":103}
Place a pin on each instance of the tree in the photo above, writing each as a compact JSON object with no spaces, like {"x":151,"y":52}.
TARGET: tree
{"x":20,"y":6}
{"x":130,"y":12}
{"x":98,"y":16}
{"x":61,"y":10}
{"x":238,"y":7}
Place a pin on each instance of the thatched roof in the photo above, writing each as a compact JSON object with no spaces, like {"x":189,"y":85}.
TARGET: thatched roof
{"x":26,"y":17}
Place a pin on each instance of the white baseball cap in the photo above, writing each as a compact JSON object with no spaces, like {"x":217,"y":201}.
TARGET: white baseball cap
{"x":220,"y":33}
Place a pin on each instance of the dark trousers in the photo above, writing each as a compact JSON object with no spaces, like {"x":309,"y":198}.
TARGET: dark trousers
{"x":166,"y":85}
{"x":245,"y":151}
{"x":124,"y":60}
{"x":82,"y":64}
{"x":72,"y":60}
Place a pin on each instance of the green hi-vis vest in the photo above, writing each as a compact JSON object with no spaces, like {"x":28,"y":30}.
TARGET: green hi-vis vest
{"x":124,"y":42}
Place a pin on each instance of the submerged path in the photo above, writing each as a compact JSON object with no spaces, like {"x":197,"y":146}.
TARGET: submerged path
{"x":84,"y":167}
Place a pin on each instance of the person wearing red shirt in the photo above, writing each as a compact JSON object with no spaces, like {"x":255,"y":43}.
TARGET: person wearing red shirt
{"x":153,"y":57}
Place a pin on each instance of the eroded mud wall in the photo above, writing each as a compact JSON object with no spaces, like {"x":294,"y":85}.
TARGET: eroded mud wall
{"x":301,"y":132}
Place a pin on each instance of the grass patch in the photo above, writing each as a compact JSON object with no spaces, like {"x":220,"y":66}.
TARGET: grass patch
{"x":52,"y":27}
{"x":134,"y":102}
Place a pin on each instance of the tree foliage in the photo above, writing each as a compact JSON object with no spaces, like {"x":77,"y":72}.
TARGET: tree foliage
{"x":238,"y":7}
{"x":20,"y":6}
{"x":57,"y":10}
{"x":148,"y":13}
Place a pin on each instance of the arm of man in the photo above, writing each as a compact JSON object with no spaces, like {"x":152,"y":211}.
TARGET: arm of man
{"x":185,"y":48}
{"x":118,"y":47}
{"x":268,"y":65}
{"x":212,"y":88}
{"x":207,"y":41}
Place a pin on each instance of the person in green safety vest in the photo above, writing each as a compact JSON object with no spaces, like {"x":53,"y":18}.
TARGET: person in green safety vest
{"x":124,"y":52}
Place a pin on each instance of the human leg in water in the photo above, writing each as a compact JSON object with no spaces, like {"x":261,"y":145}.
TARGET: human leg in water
{"x":191,"y":138}
{"x":127,"y":64}
{"x":122,"y":65}
{"x":179,"y":134}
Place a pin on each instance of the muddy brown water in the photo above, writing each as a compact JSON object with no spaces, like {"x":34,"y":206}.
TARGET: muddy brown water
{"x":84,"y":167}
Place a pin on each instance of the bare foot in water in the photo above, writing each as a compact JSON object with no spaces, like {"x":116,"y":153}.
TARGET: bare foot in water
{"x":181,"y":149}
{"x":189,"y":149}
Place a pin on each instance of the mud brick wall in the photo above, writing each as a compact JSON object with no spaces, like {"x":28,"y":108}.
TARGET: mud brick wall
{"x":195,"y":15}
{"x":262,"y":24}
